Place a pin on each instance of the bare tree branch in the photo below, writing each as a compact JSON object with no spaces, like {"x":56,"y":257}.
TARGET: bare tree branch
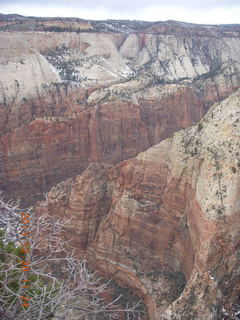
{"x":51,"y":276}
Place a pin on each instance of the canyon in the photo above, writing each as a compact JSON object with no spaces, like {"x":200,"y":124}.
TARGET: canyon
{"x":131,"y":129}
{"x":167,"y":221}
{"x":71,"y":98}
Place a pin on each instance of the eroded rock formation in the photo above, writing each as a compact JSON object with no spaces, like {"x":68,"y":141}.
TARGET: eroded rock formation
{"x":78,"y":98}
{"x":51,"y":149}
{"x":166,"y":222}
{"x":71,"y":98}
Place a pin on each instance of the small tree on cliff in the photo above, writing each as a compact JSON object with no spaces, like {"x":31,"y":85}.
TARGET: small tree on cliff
{"x":39,"y":279}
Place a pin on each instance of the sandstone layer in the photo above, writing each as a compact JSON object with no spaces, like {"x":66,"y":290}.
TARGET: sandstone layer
{"x":166,"y":222}
{"x":71,"y":98}
{"x":50,"y":149}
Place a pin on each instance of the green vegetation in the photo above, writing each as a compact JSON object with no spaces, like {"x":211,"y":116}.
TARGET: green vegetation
{"x":12,"y":285}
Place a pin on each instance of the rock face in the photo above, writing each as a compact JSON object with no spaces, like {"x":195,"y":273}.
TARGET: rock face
{"x":166,"y":222}
{"x":23,"y":70}
{"x":51,"y":149}
{"x":79,"y":98}
{"x":71,"y":98}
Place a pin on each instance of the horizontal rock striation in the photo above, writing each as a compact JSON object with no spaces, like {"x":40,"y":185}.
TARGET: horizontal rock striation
{"x":71,"y":98}
{"x":166,"y":222}
{"x":50,"y":149}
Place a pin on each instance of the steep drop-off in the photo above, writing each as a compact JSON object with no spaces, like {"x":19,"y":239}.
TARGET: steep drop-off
{"x":166,"y":222}
{"x":71,"y":98}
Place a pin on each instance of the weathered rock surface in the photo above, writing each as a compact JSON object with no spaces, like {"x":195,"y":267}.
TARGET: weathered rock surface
{"x":100,"y":91}
{"x":24,"y":70}
{"x":76,"y":92}
{"x":51,"y":149}
{"x":170,"y":215}
{"x":113,"y":58}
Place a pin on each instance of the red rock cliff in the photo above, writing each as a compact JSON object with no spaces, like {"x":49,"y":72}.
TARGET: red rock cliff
{"x":68,"y":99}
{"x":171,"y":211}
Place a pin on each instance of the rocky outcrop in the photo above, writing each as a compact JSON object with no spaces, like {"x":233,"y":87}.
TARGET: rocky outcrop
{"x":51,"y":149}
{"x":167,"y":221}
{"x":78,"y":98}
{"x":75,"y":97}
{"x":24,"y":70}
{"x":107,"y":59}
